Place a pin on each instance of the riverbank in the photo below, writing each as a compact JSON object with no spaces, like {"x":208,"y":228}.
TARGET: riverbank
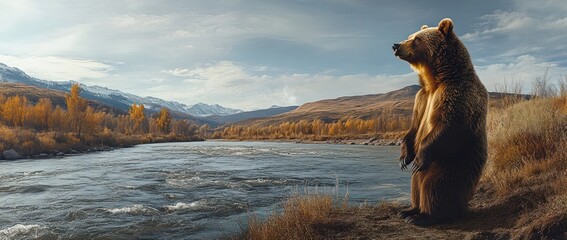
{"x":522,"y":193}
{"x":372,"y":141}
{"x":19,"y":143}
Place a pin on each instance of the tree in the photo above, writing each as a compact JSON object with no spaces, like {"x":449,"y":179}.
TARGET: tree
{"x":204,"y":130}
{"x":42,"y":110}
{"x":57,"y":119}
{"x":92,"y":122}
{"x":164,"y":120}
{"x":76,"y":107}
{"x":137,"y":115}
{"x":13,"y":110}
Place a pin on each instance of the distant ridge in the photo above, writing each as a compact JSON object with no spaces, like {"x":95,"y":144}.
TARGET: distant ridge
{"x":274,"y":110}
{"x":398,"y":102}
{"x":394,"y":103}
{"x":114,"y":98}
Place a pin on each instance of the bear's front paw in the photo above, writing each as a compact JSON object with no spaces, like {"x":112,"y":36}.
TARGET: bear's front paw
{"x":405,"y":160}
{"x":418,"y":167}
{"x":420,"y":164}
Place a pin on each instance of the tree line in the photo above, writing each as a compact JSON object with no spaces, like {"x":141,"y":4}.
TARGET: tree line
{"x":318,"y":129}
{"x":79,"y":124}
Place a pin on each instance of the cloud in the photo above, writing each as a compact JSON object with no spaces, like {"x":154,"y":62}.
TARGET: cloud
{"x":532,"y":29}
{"x":139,"y":21}
{"x":178,"y":72}
{"x":58,"y":68}
{"x":525,"y":69}
{"x":233,"y":85}
{"x":230,"y":84}
{"x":13,"y":12}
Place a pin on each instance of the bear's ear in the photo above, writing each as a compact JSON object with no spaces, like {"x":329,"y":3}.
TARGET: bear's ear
{"x":424,"y":27}
{"x":445,"y":26}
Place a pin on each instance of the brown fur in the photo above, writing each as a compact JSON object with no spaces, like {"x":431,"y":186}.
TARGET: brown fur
{"x":447,"y":138}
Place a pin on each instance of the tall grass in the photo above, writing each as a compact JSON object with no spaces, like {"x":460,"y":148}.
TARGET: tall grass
{"x":295,"y":221}
{"x":528,"y":157}
{"x":527,"y":139}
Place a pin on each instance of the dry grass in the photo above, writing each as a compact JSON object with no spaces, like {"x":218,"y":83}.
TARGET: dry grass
{"x":295,"y":221}
{"x":29,"y":143}
{"x":527,"y":154}
{"x":525,"y":140}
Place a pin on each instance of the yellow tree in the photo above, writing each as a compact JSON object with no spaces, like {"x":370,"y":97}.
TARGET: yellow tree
{"x":76,"y":107}
{"x":93,"y":121}
{"x":137,"y":115}
{"x":43,"y":110}
{"x":13,"y":110}
{"x":57,"y":119}
{"x":164,"y":120}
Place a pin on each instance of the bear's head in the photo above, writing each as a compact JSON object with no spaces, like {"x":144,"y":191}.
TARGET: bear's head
{"x":421,"y":46}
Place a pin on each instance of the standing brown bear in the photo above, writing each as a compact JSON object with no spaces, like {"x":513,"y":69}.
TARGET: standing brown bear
{"x":447,"y":138}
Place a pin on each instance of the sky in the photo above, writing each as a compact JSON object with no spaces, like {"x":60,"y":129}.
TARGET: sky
{"x":255,"y":54}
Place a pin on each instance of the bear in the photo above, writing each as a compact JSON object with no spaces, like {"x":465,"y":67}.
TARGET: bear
{"x":447,"y":137}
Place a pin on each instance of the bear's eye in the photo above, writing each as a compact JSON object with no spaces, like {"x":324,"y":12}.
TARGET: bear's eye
{"x":417,"y":39}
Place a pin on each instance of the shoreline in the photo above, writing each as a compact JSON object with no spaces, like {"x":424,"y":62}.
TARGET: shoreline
{"x":54,"y":153}
{"x":356,"y":141}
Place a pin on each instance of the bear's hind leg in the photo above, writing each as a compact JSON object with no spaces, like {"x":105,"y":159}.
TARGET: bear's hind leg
{"x":415,"y":186}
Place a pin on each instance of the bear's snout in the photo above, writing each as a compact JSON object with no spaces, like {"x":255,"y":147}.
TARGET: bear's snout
{"x":396,"y":46}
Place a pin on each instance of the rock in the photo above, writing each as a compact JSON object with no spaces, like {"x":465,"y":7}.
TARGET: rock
{"x":365,"y":143}
{"x":11,"y":154}
{"x":73,"y":151}
{"x":59,"y":154}
{"x":351,"y":143}
{"x":373,"y":139}
{"x":43,"y":155}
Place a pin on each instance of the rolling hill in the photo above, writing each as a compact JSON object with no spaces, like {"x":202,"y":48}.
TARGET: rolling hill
{"x":399,"y":102}
{"x":395,"y":103}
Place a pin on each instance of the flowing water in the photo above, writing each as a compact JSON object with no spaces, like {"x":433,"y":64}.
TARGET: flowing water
{"x":198,"y":190}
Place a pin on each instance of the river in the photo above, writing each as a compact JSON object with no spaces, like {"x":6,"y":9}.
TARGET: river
{"x":196,"y":190}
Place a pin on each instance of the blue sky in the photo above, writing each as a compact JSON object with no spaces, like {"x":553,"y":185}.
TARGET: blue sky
{"x":254,"y":54}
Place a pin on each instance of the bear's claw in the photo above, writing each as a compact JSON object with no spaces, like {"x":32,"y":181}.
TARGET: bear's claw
{"x":405,"y":160}
{"x":421,"y":220}
{"x":406,"y":213}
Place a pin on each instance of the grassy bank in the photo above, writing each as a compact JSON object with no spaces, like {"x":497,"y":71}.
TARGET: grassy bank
{"x":29,"y":143}
{"x":38,"y":128}
{"x":522,"y":194}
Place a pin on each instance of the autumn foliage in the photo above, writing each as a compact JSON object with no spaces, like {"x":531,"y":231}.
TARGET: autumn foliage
{"x":41,"y":127}
{"x":318,"y":129}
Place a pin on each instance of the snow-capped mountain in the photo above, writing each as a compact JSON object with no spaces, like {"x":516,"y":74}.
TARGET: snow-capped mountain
{"x":202,"y":109}
{"x":114,"y":98}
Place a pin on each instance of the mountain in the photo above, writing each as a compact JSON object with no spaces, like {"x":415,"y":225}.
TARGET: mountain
{"x":203,"y":110}
{"x":398,"y":102}
{"x":274,"y":110}
{"x":33,"y":94}
{"x":114,"y":98}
